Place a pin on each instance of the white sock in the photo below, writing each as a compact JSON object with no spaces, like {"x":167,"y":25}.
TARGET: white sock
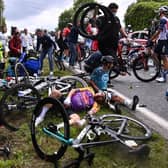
{"x":128,"y":103}
{"x":60,"y":125}
{"x":44,"y":111}
{"x":81,"y":122}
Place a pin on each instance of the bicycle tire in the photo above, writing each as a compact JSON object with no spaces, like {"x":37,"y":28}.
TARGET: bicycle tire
{"x":75,"y":81}
{"x":14,"y":107}
{"x":113,"y":73}
{"x":18,"y":67}
{"x":147,"y":72}
{"x":133,"y":129}
{"x":81,"y":13}
{"x":47,"y":147}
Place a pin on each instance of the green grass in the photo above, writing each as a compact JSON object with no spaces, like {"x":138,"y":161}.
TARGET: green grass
{"x":110,"y":156}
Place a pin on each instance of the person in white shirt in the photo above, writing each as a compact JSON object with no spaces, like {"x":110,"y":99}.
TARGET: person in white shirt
{"x":27,"y":42}
{"x":4,"y":40}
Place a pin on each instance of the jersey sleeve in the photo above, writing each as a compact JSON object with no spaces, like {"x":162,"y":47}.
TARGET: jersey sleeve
{"x":162,"y":24}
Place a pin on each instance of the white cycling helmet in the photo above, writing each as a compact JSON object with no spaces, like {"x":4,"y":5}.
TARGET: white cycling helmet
{"x":162,"y":9}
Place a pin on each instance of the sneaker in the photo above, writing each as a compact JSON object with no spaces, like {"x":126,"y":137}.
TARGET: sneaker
{"x":142,"y":150}
{"x":135,"y":101}
{"x":161,"y":80}
{"x":38,"y":121}
{"x":61,"y":125}
{"x":51,"y":73}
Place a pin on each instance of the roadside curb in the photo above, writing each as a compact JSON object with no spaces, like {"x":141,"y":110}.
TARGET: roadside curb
{"x":153,"y":120}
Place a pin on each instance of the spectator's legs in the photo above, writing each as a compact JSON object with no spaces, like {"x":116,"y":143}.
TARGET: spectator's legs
{"x":73,"y":55}
{"x":42,"y":56}
{"x":50,"y":59}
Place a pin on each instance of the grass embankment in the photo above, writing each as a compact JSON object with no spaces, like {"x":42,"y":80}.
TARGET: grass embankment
{"x":109,"y":156}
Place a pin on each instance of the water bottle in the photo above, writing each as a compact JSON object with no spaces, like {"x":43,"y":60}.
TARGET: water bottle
{"x":166,"y":94}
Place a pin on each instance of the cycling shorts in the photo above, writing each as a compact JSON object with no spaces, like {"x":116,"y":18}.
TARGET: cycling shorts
{"x":162,"y":47}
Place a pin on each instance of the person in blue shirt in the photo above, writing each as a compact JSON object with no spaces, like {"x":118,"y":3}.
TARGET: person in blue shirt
{"x":100,"y":75}
{"x":99,"y":81}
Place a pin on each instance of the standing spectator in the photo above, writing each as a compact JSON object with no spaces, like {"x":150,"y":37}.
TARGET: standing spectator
{"x":60,"y":43}
{"x":15,"y":45}
{"x":108,"y":35}
{"x":72,"y":42}
{"x":161,"y":35}
{"x":4,"y":40}
{"x":27,"y":42}
{"x":65,"y":35}
{"x":47,"y":48}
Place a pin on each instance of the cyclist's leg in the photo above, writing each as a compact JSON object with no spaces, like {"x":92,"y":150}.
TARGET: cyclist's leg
{"x":129,"y":103}
{"x":54,"y":94}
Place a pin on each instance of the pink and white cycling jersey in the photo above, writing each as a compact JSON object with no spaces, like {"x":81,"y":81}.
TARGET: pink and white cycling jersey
{"x":163,"y":26}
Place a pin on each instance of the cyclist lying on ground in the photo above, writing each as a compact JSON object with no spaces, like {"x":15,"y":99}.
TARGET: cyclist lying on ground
{"x":99,"y":82}
{"x":78,"y":100}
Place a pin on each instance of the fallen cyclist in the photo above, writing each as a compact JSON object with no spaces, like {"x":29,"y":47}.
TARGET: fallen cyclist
{"x":99,"y":81}
{"x":79,"y":100}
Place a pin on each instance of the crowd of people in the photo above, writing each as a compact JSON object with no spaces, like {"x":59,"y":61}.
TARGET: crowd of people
{"x":106,"y":45}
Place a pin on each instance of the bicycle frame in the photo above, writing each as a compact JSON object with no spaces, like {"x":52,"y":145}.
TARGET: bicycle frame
{"x":89,"y":131}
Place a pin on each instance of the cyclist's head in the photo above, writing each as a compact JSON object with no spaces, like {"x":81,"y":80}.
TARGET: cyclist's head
{"x":162,"y":10}
{"x":107,"y":60}
{"x":99,"y":97}
{"x":69,"y":25}
{"x":113,"y":8}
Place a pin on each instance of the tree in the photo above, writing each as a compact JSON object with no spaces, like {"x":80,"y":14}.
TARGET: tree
{"x":140,"y":14}
{"x":67,"y":15}
{"x":2,"y":19}
{"x":78,"y":3}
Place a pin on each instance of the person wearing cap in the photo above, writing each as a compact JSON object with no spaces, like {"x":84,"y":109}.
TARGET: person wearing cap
{"x":99,"y":82}
{"x":100,"y":76}
{"x":161,"y":35}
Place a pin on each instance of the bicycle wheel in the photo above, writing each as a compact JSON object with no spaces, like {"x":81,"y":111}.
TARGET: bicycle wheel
{"x":126,"y":127}
{"x":21,"y":72}
{"x":113,"y":73}
{"x":46,"y":145}
{"x":16,"y":105}
{"x":146,"y":68}
{"x":90,"y":11}
{"x":74,"y":81}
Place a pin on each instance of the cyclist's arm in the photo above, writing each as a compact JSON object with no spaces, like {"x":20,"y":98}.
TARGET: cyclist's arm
{"x":155,"y":36}
{"x":92,"y":83}
{"x":95,"y":108}
{"x":92,"y":77}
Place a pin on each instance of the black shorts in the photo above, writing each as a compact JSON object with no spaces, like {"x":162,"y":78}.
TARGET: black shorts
{"x":162,"y":47}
